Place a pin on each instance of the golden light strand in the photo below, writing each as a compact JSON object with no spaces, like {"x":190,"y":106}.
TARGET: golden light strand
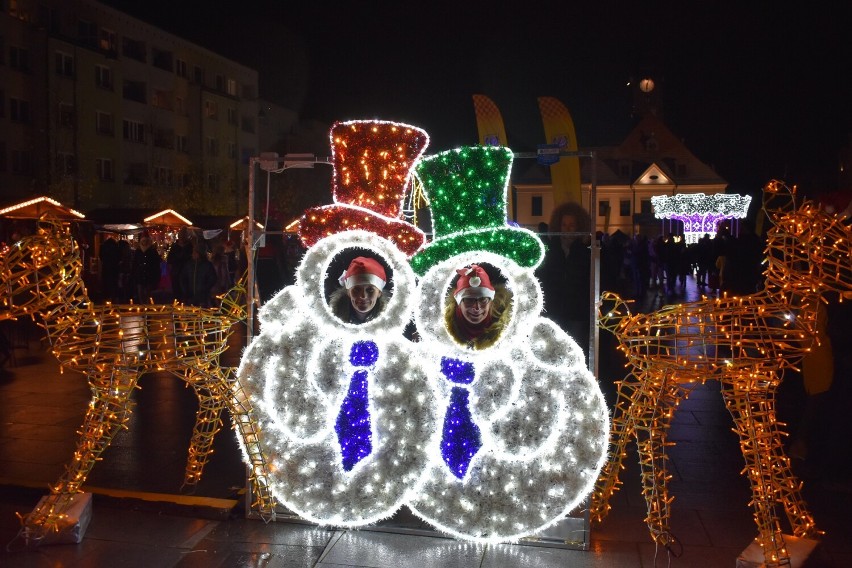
{"x":113,"y":345}
{"x":744,"y":342}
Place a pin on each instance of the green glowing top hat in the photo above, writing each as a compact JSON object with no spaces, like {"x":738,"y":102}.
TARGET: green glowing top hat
{"x":466,"y":188}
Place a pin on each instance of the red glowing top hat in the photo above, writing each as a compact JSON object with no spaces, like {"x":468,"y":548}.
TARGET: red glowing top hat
{"x":372,"y":161}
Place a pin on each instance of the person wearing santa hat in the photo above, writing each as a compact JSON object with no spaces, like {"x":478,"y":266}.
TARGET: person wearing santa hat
{"x":360,"y":297}
{"x":478,"y":311}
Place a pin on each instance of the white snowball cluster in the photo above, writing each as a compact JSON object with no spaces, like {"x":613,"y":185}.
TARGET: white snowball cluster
{"x":541,"y":415}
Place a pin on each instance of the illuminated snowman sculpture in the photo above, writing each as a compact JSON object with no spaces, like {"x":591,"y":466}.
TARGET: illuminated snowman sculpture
{"x":524,"y":424}
{"x":347,"y":410}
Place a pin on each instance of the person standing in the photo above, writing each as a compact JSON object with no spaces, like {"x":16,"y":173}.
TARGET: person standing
{"x":566,"y":270}
{"x":179,"y":255}
{"x":145,"y":269}
{"x":197,"y":278}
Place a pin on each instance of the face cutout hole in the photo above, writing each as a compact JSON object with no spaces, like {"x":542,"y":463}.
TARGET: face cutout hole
{"x":477,"y":305}
{"x":358,"y":285}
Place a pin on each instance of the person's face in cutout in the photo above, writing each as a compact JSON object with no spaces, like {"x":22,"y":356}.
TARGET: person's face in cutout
{"x":475,"y":310}
{"x":363,"y":298}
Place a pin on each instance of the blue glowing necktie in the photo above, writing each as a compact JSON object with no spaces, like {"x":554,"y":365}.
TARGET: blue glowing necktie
{"x":353,"y":421}
{"x":461,"y":437}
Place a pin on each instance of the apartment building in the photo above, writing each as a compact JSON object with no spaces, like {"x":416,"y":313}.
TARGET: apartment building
{"x":102,"y":110}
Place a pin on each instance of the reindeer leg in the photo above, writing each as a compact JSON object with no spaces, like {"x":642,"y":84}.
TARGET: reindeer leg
{"x":208,"y":422}
{"x":109,"y":411}
{"x":651,"y":415}
{"x":248,"y":429}
{"x":751,"y":401}
{"x":621,"y":430}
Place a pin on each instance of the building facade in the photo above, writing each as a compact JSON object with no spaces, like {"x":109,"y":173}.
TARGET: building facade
{"x":650,"y":161}
{"x":101,"y":110}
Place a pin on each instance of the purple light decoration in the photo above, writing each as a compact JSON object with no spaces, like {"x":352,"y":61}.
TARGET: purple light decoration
{"x":353,"y":422}
{"x":461,"y":438}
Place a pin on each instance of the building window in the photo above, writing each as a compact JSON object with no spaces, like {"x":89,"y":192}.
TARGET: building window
{"x":66,"y":115}
{"x":537,"y":206}
{"x":220,"y":83}
{"x":22,"y":162}
{"x":163,"y":176}
{"x":180,"y":68}
{"x":19,"y":58}
{"x":180,"y":143}
{"x":134,"y":49}
{"x":197,"y":75}
{"x":248,"y":124}
{"x":213,"y":182}
{"x":106,"y":40}
{"x":163,"y":59}
{"x":232,"y":115}
{"x":66,"y":164}
{"x":135,"y":91}
{"x":136,"y":174}
{"x":19,"y":110}
{"x":246,"y":153}
{"x":164,"y":138}
{"x":211,"y":109}
{"x":212,"y":147}
{"x":104,"y":169}
{"x":231,"y":87}
{"x":624,"y":207}
{"x":232,"y":150}
{"x":647,"y":208}
{"x":103,"y":123}
{"x":162,"y":99}
{"x":134,"y":131}
{"x":64,"y":64}
{"x":103,"y":77}
{"x":603,"y":208}
{"x":87,"y":33}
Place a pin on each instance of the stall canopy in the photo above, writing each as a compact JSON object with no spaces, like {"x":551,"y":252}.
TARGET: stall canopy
{"x":40,"y":207}
{"x":169,"y":218}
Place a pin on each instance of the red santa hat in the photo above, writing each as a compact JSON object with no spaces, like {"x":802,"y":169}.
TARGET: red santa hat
{"x":473,"y":282}
{"x":363,"y":271}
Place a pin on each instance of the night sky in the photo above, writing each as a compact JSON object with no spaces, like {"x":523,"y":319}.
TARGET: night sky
{"x":756,"y":92}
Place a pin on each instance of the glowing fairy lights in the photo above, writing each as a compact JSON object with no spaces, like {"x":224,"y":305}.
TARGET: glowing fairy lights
{"x":487,"y":445}
{"x":112,"y":345}
{"x":372,"y":172}
{"x":744,"y":342}
{"x":700,"y":213}
{"x":466,"y":189}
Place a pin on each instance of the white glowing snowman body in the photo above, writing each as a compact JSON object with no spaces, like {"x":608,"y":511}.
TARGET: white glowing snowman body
{"x":542,"y":419}
{"x":298,"y":373}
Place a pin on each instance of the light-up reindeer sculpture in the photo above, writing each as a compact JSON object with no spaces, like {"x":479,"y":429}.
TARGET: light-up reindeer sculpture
{"x":113,"y":345}
{"x":743,"y":342}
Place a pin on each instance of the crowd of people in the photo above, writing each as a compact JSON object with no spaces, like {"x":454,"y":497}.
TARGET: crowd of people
{"x":726,"y":263}
{"x":191,"y":270}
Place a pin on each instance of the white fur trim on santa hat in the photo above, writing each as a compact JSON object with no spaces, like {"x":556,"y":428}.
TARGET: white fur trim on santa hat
{"x":474,"y":292}
{"x":363,"y":280}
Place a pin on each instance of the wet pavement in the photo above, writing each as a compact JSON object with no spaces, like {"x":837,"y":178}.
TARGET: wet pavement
{"x":141,"y":518}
